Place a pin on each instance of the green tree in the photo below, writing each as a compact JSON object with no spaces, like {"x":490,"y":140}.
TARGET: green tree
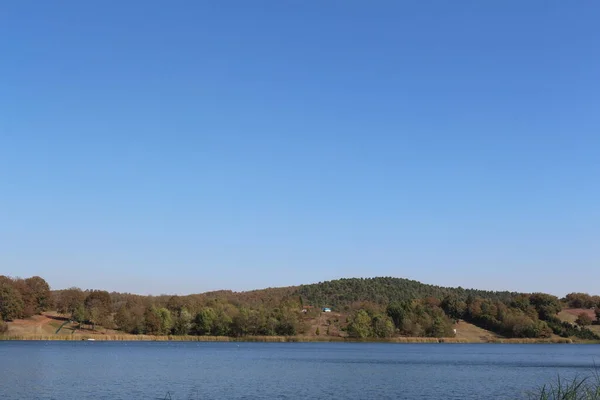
{"x":204,"y":321}
{"x":183,"y":323}
{"x":383,"y":326}
{"x":453,"y":307}
{"x":597,"y":312}
{"x":242,"y":324}
{"x":521,"y":302}
{"x":222,"y":324}
{"x":271,"y":326}
{"x":11,"y":302}
{"x":287,"y":322}
{"x":79,"y":314}
{"x":317,"y":332}
{"x":438,"y":327}
{"x":360,"y":325}
{"x":166,"y":321}
{"x":546,"y":305}
{"x":580,"y":300}
{"x":398,"y":312}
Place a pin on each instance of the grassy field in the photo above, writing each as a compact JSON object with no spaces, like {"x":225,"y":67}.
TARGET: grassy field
{"x":571,"y":314}
{"x":473,"y":334}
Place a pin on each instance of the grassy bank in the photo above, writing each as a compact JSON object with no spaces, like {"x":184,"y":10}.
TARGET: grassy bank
{"x":273,"y":339}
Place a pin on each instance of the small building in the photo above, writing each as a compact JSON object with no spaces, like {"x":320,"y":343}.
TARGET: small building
{"x":326,"y":309}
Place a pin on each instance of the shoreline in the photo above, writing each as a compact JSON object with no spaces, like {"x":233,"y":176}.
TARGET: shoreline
{"x":282,"y":339}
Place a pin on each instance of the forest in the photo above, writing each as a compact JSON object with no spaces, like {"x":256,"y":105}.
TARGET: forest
{"x":366,"y":308}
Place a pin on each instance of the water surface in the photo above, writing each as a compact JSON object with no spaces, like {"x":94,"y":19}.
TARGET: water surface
{"x":149,"y":370}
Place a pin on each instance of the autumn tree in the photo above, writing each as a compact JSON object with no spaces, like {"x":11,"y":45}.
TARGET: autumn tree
{"x":123,"y":319}
{"x":98,"y":307}
{"x":26,"y":296}
{"x":130,"y":318}
{"x":583,"y":319}
{"x":69,"y":301}
{"x":36,"y":295}
{"x":11,"y":302}
{"x":152,"y":321}
{"x":130,"y":315}
{"x":177,"y":303}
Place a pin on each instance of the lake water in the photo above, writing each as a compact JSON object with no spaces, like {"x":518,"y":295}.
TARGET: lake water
{"x":149,"y":370}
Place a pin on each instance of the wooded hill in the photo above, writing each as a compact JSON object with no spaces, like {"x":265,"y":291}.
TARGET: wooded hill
{"x":362,"y":308}
{"x":343,"y":292}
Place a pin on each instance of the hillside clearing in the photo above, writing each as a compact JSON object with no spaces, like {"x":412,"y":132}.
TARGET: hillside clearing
{"x":571,"y":314}
{"x":474,"y":334}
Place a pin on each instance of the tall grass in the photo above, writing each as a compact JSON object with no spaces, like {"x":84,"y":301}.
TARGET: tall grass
{"x":189,"y":338}
{"x":575,"y":389}
{"x":280,"y":339}
{"x":555,"y":340}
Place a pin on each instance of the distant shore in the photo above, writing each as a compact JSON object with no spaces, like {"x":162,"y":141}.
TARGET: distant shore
{"x":278,"y":339}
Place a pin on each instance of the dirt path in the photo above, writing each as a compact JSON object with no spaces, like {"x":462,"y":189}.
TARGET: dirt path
{"x":37,"y":325}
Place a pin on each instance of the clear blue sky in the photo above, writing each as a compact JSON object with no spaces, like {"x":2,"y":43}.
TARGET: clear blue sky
{"x":177,"y":147}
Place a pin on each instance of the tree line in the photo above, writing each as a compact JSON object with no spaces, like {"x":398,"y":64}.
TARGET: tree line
{"x":374,"y":307}
{"x":427,"y":310}
{"x":22,"y":298}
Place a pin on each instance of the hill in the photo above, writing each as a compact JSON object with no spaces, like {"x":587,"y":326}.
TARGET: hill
{"x":359,"y":308}
{"x":385,"y":290}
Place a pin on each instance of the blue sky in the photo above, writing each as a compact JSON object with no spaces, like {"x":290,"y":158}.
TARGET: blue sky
{"x":180,"y":147}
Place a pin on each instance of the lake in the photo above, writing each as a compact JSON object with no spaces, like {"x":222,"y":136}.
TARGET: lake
{"x":190,"y":370}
